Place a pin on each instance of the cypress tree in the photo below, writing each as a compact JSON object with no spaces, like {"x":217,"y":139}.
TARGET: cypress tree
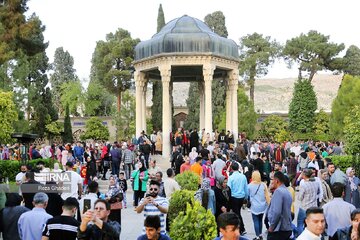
{"x":302,"y":107}
{"x":156,"y":108}
{"x":193,"y":104}
{"x":67,"y":136}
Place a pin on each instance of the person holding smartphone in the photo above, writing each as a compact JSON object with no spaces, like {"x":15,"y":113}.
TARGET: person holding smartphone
{"x":102,"y":228}
{"x":152,"y":204}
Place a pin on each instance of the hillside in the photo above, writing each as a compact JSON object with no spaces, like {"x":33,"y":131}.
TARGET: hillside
{"x":272,"y":95}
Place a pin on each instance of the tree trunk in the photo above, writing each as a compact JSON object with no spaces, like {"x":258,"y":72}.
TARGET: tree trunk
{"x":252,"y":83}
{"x":312,"y":74}
{"x":252,"y":89}
{"x":299,"y":76}
{"x":118,"y":101}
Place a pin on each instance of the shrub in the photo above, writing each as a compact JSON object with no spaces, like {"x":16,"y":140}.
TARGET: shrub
{"x":9,"y":168}
{"x":178,"y":201}
{"x":188,"y":180}
{"x":345,"y":161}
{"x":195,"y":223}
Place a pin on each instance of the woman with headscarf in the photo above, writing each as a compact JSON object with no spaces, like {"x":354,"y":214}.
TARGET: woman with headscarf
{"x":222,"y":196}
{"x":140,"y":178}
{"x":114,"y":197}
{"x":327,"y":194}
{"x":351,"y":189}
{"x":206,"y":196}
{"x":208,"y":172}
{"x":259,"y":199}
{"x":193,"y":154}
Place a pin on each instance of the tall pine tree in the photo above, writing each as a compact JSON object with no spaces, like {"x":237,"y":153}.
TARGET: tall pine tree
{"x":193,"y":104}
{"x":67,"y":136}
{"x":156,"y":108}
{"x":302,"y":107}
{"x":64,"y":72}
{"x":216,"y":22}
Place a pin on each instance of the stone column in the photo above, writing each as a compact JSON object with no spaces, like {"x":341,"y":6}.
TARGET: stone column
{"x":208,"y":71}
{"x":202,"y":106}
{"x":234,"y":79}
{"x":143,"y":106}
{"x":228,"y":106}
{"x":139,"y":84}
{"x":165,"y":72}
{"x":171,"y":102}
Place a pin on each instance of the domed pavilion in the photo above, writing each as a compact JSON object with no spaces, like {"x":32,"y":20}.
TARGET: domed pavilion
{"x":186,"y":50}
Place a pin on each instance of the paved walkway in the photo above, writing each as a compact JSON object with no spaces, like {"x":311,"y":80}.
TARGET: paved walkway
{"x":132,"y":222}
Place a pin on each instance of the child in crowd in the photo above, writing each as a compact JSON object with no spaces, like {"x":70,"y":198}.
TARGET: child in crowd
{"x":123,"y":186}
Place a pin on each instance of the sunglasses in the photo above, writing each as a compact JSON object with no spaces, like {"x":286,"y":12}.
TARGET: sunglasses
{"x":154,"y":189}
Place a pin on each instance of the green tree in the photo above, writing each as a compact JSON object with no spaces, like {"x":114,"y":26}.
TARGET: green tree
{"x":156,"y":108}
{"x":188,"y":180}
{"x":256,"y":54}
{"x":72,"y":96}
{"x":112,"y":62}
{"x":98,"y":101}
{"x":347,"y":97}
{"x":352,"y":131}
{"x":247,"y":117}
{"x":67,"y":136}
{"x":19,"y":35}
{"x":302,"y":107}
{"x":271,"y":126}
{"x":313,"y":52}
{"x":64,"y":72}
{"x":160,"y":19}
{"x":195,"y":223}
{"x":352,"y":61}
{"x":321,"y":125}
{"x":95,"y":129}
{"x":125,"y":121}
{"x":216,"y":22}
{"x":178,"y":201}
{"x":218,"y":97}
{"x":193,"y":104}
{"x":8,"y":115}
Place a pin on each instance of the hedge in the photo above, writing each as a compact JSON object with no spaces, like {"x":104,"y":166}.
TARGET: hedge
{"x":345,"y":161}
{"x":9,"y":168}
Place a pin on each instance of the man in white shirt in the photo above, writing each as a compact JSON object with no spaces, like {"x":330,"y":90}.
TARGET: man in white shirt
{"x":315,"y":224}
{"x":296,"y":148}
{"x":20,"y":177}
{"x":170,"y":184}
{"x":93,"y":188}
{"x":218,"y":165}
{"x":76,"y":183}
{"x":337,"y":212}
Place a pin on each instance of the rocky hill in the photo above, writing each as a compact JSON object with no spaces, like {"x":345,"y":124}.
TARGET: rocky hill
{"x":272,"y":95}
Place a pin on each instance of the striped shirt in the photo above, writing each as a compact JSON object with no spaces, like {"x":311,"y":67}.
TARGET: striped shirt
{"x":61,"y":227}
{"x":151,"y":210}
{"x":308,"y":194}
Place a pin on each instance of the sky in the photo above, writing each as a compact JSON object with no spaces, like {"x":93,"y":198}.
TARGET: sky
{"x":76,"y":25}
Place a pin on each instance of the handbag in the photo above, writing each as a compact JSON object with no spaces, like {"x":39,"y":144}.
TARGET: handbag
{"x":248,"y":204}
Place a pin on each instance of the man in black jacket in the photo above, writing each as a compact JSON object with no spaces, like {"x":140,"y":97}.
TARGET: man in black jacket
{"x":101,"y":228}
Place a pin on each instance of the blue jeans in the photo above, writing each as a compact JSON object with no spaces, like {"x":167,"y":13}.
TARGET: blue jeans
{"x":300,"y":221}
{"x":257,"y":220}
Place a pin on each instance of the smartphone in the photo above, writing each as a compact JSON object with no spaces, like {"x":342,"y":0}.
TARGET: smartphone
{"x":147,"y":195}
{"x":87,"y":205}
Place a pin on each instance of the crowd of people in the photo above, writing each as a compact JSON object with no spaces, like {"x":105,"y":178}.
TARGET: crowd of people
{"x":260,"y":175}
